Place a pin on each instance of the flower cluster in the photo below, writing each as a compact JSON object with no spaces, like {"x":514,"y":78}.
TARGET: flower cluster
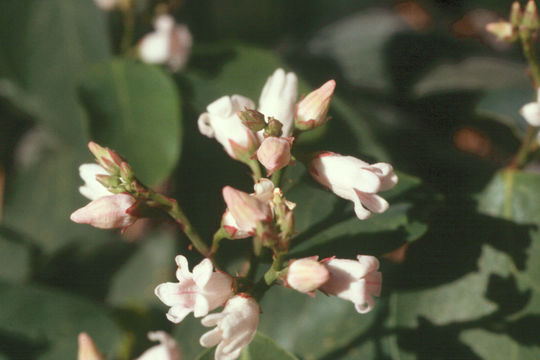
{"x":255,"y":135}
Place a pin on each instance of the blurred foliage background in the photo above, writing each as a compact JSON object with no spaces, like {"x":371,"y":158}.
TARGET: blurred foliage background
{"x":420,"y":85}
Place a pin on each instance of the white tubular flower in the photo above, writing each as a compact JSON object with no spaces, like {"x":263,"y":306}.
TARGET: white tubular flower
{"x":169,"y":44}
{"x":167,"y":349}
{"x":241,"y":222}
{"x":531,"y":111}
{"x":278,"y":99}
{"x":307,"y":275}
{"x":199,"y":292}
{"x":107,"y":212}
{"x":235,"y":327}
{"x":353,"y":179}
{"x":92,"y":189}
{"x":356,"y":281}
{"x":222,"y":122}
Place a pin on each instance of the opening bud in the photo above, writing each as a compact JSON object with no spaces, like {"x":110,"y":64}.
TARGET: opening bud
{"x":311,"y":111}
{"x":108,"y":212}
{"x":252,"y":119}
{"x":275,"y":153}
{"x":248,"y":211}
{"x":307,"y":275}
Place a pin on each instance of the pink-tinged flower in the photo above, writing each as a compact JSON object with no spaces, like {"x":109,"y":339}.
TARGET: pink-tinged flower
{"x":353,"y":179}
{"x":199,"y":292}
{"x":167,"y":349}
{"x":531,"y":111}
{"x":307,"y":275}
{"x":108,"y":212}
{"x":278,"y":99}
{"x":356,"y":281}
{"x":247,"y":210}
{"x":92,"y":189}
{"x":311,"y":111}
{"x":275,"y":153}
{"x":235,"y":327}
{"x":87,"y":348}
{"x":222,"y":122}
{"x":264,"y":191}
{"x":169,"y":44}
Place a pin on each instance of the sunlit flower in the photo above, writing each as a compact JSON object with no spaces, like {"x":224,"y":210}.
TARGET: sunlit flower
{"x":356,"y":281}
{"x":531,"y":111}
{"x":355,"y":180}
{"x":235,"y":327}
{"x":107,"y":212}
{"x":199,"y":292}
{"x":222,"y":122}
{"x":167,"y":349}
{"x":169,"y":44}
{"x":278,"y":99}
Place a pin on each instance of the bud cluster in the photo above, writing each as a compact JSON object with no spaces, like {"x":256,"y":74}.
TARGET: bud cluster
{"x":521,"y":23}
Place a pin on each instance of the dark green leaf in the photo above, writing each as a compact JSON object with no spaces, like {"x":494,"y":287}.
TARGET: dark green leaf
{"x":134,"y":108}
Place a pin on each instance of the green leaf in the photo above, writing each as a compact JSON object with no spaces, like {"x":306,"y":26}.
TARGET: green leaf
{"x":152,"y":264}
{"x":15,"y":257}
{"x":135,"y":109}
{"x":260,"y":348}
{"x":46,"y":45}
{"x":49,"y":322}
{"x":317,"y":328}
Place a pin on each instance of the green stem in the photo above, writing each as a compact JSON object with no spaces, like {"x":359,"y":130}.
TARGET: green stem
{"x":269,"y":277}
{"x":171,"y":207}
{"x":521,"y":156}
{"x":129,"y":28}
{"x":218,"y":236}
{"x":255,"y":168}
{"x":276,"y":178}
{"x":528,"y":52}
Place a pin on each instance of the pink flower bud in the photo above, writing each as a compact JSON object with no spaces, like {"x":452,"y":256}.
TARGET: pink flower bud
{"x":275,"y":153}
{"x":311,"y":110}
{"x":307,"y":275}
{"x":87,"y":348}
{"x":167,"y":349}
{"x":107,"y":212}
{"x":247,"y":210}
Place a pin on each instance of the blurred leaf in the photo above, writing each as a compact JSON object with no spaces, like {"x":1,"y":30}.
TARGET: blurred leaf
{"x":151,"y":264}
{"x":324,"y":327}
{"x":471,"y":74}
{"x":134,"y":109}
{"x":357,"y":44}
{"x":51,"y":321}
{"x":327,"y":225}
{"x":46,"y":45}
{"x":513,"y":195}
{"x":261,"y":348}
{"x":42,"y":196}
{"x":15,"y":257}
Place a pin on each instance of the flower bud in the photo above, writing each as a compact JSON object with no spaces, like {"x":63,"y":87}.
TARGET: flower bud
{"x":516,"y":15}
{"x":530,"y":17}
{"x":247,"y":210}
{"x":107,"y":212}
{"x":87,"y":348}
{"x":106,"y":157}
{"x":252,"y":119}
{"x":275,"y":153}
{"x":307,"y":275}
{"x":311,"y":110}
{"x":273,"y":128}
{"x":503,"y":30}
{"x":531,"y":111}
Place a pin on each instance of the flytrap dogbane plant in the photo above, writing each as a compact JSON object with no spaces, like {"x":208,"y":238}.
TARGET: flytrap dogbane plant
{"x":263,"y":136}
